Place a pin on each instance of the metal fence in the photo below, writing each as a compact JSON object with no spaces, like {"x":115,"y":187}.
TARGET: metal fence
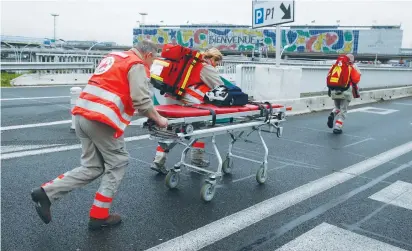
{"x":48,"y":67}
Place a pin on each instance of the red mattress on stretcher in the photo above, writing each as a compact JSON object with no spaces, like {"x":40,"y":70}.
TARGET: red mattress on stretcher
{"x":178,"y":111}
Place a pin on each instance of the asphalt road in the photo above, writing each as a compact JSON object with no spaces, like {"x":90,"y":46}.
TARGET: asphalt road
{"x":310,"y":201}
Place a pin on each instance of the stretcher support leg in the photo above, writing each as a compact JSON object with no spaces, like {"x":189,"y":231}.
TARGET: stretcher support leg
{"x":219,"y":158}
{"x":184,"y":153}
{"x":262,"y":172}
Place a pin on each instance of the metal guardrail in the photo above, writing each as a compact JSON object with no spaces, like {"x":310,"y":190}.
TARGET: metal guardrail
{"x":406,"y":51}
{"x":313,"y":77}
{"x":23,"y":66}
{"x":54,"y":51}
{"x":229,"y":66}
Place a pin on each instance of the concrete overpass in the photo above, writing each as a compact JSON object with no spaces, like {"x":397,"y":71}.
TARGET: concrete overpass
{"x":404,"y":54}
{"x":315,"y":55}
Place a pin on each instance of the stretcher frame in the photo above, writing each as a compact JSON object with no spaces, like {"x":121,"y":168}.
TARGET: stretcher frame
{"x":246,"y":121}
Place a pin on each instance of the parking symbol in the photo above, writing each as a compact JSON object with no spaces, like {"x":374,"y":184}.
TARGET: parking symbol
{"x":259,"y":16}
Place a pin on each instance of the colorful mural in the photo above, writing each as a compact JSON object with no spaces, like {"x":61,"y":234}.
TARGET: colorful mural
{"x":244,"y":39}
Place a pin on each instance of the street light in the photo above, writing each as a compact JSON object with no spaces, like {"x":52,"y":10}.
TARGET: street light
{"x":16,"y":52}
{"x":54,"y":19}
{"x":22,"y":49}
{"x":91,"y":48}
{"x":143,"y":14}
{"x":284,"y":48}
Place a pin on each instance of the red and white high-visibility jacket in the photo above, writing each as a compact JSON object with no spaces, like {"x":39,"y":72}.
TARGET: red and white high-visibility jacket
{"x":106,"y":97}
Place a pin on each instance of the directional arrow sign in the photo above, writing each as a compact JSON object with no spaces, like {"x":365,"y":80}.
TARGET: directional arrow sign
{"x":269,"y":13}
{"x":286,"y":11}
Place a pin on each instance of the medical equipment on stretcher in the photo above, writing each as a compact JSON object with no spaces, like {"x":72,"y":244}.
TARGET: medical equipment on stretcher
{"x":189,"y":123}
{"x":172,"y":73}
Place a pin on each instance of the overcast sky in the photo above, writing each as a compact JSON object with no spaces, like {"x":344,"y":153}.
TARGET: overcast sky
{"x":113,"y":20}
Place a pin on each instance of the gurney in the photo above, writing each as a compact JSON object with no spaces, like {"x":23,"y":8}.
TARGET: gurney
{"x":189,"y":123}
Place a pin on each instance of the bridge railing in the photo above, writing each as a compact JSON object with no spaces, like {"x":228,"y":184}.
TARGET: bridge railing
{"x":229,"y":66}
{"x":240,"y":72}
{"x":48,"y":67}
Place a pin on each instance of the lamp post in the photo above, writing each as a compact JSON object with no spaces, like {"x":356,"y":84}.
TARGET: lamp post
{"x":142,"y":23}
{"x":54,"y":21}
{"x":90,"y":49}
{"x":143,"y":14}
{"x":16,"y":53}
{"x":21,"y":51}
{"x":284,"y":48}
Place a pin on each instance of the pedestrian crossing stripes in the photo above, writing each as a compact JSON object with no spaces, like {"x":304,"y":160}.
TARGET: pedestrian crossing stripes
{"x":326,"y":237}
{"x":397,"y":194}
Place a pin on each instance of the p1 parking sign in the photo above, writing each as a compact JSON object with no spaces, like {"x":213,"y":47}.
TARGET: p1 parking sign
{"x":269,"y":13}
{"x":258,"y":16}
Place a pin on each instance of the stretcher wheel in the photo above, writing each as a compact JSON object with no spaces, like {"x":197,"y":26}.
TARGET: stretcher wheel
{"x":208,"y":192}
{"x":227,"y":165}
{"x":172,"y":179}
{"x":188,"y":129}
{"x":261,"y":175}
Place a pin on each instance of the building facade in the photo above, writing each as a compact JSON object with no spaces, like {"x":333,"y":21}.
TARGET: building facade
{"x":300,"y":39}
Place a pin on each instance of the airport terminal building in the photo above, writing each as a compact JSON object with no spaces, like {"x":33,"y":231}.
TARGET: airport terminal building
{"x":234,"y":39}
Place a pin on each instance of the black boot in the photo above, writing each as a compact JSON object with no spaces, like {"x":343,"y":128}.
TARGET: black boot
{"x":43,"y":204}
{"x":331,"y":118}
{"x":159,"y":168}
{"x":112,"y":220}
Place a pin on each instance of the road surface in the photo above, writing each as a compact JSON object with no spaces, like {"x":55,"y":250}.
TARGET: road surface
{"x":324,"y":191}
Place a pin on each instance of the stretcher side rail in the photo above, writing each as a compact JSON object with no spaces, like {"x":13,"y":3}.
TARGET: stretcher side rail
{"x":189,"y":120}
{"x":239,"y":128}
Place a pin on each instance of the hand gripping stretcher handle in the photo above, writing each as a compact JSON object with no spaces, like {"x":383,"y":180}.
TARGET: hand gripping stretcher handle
{"x":149,"y":124}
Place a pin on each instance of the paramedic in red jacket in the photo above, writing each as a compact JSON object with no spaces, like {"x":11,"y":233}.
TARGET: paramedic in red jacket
{"x":118,"y":87}
{"x":343,"y":98}
{"x":210,"y":78}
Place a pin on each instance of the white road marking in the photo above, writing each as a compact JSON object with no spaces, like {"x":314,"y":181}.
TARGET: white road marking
{"x":38,"y":152}
{"x":282,"y":159}
{"x":217,"y":230}
{"x":301,"y":143}
{"x":361,"y":109}
{"x":16,"y":148}
{"x":58,"y":149}
{"x":329,"y":237}
{"x":375,"y":110}
{"x":138,"y":122}
{"x":134,"y":138}
{"x":145,"y":162}
{"x":60,"y":122}
{"x":358,"y":142}
{"x":254,"y":175}
{"x":397,"y":194}
{"x":399,"y":103}
{"x":33,"y":98}
{"x":318,"y":130}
